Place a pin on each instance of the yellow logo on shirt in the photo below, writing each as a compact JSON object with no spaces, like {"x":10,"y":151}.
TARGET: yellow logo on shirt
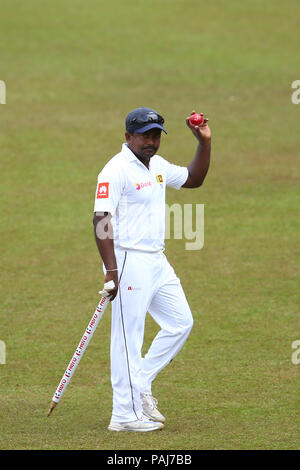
{"x":159,"y":179}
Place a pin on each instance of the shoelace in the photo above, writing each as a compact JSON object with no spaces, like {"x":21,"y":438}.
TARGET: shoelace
{"x":151,"y":401}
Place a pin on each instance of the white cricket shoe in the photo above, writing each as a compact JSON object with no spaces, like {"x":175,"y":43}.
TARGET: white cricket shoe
{"x":150,"y":408}
{"x":140,"y":425}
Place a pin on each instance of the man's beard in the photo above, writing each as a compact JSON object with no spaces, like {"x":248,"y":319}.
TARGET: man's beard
{"x":147,"y":152}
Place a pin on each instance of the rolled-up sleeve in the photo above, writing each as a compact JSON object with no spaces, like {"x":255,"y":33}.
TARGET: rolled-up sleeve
{"x":176,"y":175}
{"x":109,"y":189}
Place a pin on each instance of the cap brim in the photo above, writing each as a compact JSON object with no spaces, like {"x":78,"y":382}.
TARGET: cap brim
{"x":146,"y":128}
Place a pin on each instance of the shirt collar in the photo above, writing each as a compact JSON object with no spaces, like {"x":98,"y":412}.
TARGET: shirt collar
{"x":129,"y":155}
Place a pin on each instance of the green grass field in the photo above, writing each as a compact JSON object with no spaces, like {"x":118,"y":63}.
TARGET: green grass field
{"x":73,"y":70}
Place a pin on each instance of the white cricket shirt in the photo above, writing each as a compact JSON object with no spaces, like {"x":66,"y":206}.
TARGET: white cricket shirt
{"x":135,"y":197}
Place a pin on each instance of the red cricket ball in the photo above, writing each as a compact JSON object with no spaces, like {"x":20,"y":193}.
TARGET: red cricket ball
{"x":196,"y":119}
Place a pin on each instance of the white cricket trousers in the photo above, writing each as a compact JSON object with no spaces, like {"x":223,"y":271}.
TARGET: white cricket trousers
{"x":147,"y":284}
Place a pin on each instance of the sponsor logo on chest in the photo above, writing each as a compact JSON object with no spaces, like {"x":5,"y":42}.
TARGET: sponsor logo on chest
{"x":143,"y":185}
{"x":146,"y":184}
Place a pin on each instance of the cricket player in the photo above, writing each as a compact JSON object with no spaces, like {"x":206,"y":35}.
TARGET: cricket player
{"x":129,"y":224}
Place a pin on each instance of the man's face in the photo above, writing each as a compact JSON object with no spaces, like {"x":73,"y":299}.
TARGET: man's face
{"x":144,"y":145}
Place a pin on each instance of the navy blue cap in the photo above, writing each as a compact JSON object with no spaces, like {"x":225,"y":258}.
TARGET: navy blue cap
{"x":143,"y":119}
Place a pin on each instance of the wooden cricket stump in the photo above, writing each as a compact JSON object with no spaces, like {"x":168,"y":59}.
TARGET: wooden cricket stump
{"x":52,"y":406}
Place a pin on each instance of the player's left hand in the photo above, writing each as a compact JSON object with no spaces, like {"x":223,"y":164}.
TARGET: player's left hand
{"x":201,"y":132}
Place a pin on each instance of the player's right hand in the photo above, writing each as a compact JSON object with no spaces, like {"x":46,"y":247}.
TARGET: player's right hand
{"x":112,"y":276}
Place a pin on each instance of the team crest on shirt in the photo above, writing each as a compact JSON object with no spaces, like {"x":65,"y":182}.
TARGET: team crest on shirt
{"x":159,"y":178}
{"x":102,"y":190}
